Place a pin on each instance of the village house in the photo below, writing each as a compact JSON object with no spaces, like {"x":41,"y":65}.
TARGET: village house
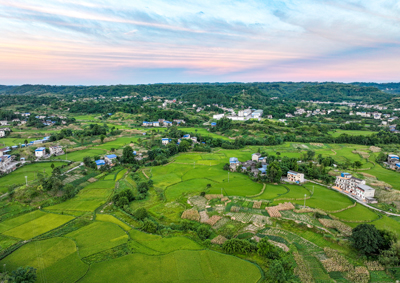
{"x":3,"y":132}
{"x":156,"y":124}
{"x":393,"y":162}
{"x":218,"y":116}
{"x":110,"y":158}
{"x":100,"y":163}
{"x":234,"y":163}
{"x":56,"y":150}
{"x":357,"y":187}
{"x":40,"y":152}
{"x":3,"y":123}
{"x":147,"y":124}
{"x":257,"y":114}
{"x":255,"y":156}
{"x":244,"y":113}
{"x":213,"y":124}
{"x":165,"y":141}
{"x":179,"y":121}
{"x":296,"y":177}
{"x":167,"y":124}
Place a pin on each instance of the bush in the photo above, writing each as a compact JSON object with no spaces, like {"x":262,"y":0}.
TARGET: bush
{"x":149,"y":226}
{"x":203,"y":232}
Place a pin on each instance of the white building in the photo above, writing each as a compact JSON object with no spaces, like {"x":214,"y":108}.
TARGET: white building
{"x":255,"y":157}
{"x":218,"y":116}
{"x":3,"y":123}
{"x":3,"y":132}
{"x":40,"y":152}
{"x":296,"y":177}
{"x":56,"y":150}
{"x":244,"y":113}
{"x":165,"y":141}
{"x":257,"y":114}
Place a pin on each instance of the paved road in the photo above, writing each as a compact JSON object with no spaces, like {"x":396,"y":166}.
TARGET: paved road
{"x":357,"y":200}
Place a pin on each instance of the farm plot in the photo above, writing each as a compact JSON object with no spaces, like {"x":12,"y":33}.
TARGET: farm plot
{"x":80,"y":154}
{"x":179,"y":266}
{"x":97,"y":237}
{"x":55,"y":259}
{"x":30,"y":170}
{"x":38,"y":226}
{"x":17,"y":221}
{"x":191,"y":186}
{"x":295,"y":191}
{"x":88,"y":199}
{"x":163,"y":245}
{"x":272,"y":191}
{"x":357,"y":213}
{"x":112,"y":219}
{"x":117,"y":144}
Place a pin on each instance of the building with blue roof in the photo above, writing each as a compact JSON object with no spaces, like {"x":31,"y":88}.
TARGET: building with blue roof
{"x":40,"y":152}
{"x":213,"y":124}
{"x":100,"y":163}
{"x":296,"y":177}
{"x":187,"y":136}
{"x":165,"y":141}
{"x":109,"y":158}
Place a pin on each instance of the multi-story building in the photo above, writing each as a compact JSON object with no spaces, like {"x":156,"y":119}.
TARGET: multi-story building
{"x":218,"y":116}
{"x":296,"y":177}
{"x":165,"y":141}
{"x":56,"y":150}
{"x":355,"y":186}
{"x":257,"y":114}
{"x":40,"y":152}
{"x":244,"y":113}
{"x":393,"y":162}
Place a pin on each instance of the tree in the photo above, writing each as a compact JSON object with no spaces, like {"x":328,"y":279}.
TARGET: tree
{"x":23,"y":275}
{"x":266,"y":249}
{"x":149,"y":226}
{"x":52,"y":166}
{"x":102,"y":137}
{"x":366,"y":239}
{"x":276,"y":272}
{"x":127,"y":155}
{"x":357,"y":164}
{"x":140,"y":213}
{"x":87,"y":160}
{"x":203,"y":232}
{"x":274,"y":172}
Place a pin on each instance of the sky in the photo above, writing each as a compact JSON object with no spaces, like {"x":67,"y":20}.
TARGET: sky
{"x":102,"y":42}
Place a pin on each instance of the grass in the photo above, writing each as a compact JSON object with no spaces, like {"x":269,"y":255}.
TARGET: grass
{"x":357,"y":213}
{"x":55,"y":259}
{"x":121,"y":174}
{"x":112,"y":219}
{"x":97,"y":237}
{"x":388,"y":223}
{"x":38,"y":226}
{"x":179,"y":266}
{"x":163,"y":245}
{"x":296,"y":191}
{"x":117,"y":144}
{"x":30,"y":170}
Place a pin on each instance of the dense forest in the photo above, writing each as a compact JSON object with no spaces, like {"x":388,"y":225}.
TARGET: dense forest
{"x":228,"y":94}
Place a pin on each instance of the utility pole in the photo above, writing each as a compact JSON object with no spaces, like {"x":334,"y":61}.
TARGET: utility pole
{"x":228,"y":176}
{"x":305,"y":200}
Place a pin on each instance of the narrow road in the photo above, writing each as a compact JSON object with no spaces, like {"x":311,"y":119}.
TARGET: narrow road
{"x":357,"y":200}
{"x":73,"y":169}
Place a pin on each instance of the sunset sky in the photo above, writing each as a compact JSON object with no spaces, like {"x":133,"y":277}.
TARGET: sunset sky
{"x":85,"y":42}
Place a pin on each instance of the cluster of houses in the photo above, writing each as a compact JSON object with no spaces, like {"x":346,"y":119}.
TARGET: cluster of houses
{"x":251,"y":166}
{"x":301,"y":111}
{"x":7,"y":163}
{"x":162,"y":123}
{"x":357,"y":187}
{"x":166,"y":141}
{"x":393,"y":162}
{"x":108,"y":159}
{"x":243,"y":115}
{"x":55,"y":150}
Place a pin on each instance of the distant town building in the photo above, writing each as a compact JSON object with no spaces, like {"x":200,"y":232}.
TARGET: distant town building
{"x":257,"y":114}
{"x":218,"y":116}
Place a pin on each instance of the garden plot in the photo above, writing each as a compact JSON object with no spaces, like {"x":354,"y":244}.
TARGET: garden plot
{"x":191,"y":214}
{"x":298,"y":217}
{"x":203,"y":216}
{"x":199,"y":202}
{"x":214,"y":219}
{"x":220,"y":223}
{"x":219,"y":240}
{"x":250,"y":228}
{"x":240,"y":216}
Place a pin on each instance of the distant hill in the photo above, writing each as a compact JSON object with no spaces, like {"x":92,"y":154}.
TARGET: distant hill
{"x":227,"y":93}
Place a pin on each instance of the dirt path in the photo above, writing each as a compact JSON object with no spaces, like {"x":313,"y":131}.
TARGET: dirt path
{"x":145,"y":174}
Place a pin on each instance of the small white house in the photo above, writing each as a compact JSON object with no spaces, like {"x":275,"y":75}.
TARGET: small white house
{"x":109,"y":158}
{"x":218,"y":116}
{"x":40,"y":152}
{"x":165,"y":141}
{"x":255,"y":156}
